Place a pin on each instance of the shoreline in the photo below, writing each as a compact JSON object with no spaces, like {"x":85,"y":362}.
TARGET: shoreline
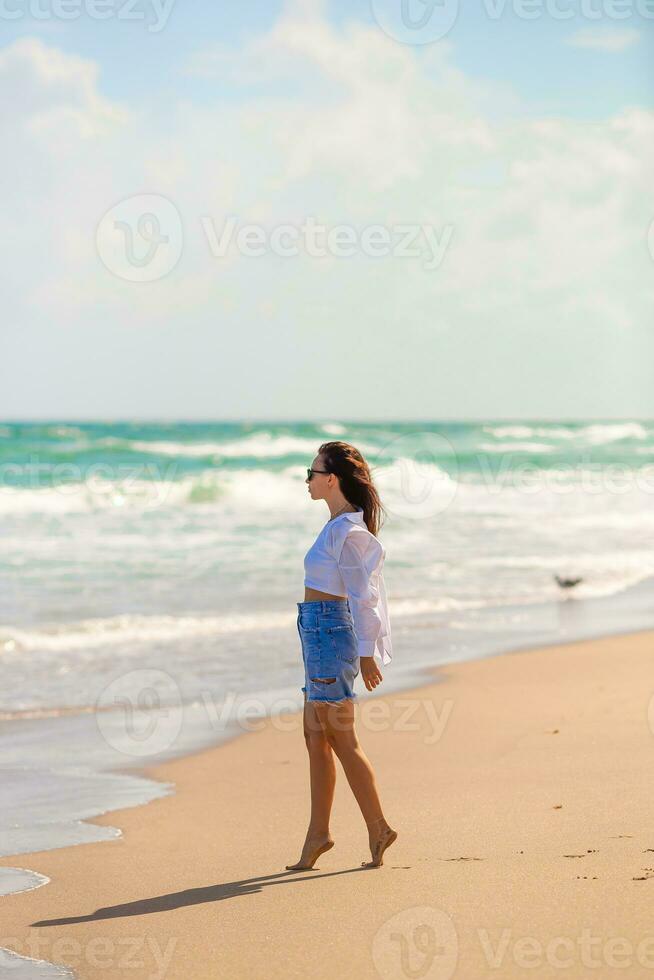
{"x":638,"y":600}
{"x":130,"y":875}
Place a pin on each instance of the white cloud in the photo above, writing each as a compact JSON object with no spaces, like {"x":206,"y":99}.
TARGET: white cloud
{"x":547,"y":214}
{"x":47,"y":89}
{"x":604,"y":39}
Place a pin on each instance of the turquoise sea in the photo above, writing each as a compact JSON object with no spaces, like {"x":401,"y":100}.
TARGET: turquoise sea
{"x":182,"y":542}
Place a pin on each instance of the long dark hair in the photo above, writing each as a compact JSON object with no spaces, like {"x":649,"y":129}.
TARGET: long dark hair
{"x":356,"y":483}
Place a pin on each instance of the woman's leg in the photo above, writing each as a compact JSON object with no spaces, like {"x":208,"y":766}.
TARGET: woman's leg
{"x":322,"y":772}
{"x":338,"y":723}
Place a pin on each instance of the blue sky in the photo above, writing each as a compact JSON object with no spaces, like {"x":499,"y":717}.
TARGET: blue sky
{"x":521,"y":148}
{"x":532,"y":56}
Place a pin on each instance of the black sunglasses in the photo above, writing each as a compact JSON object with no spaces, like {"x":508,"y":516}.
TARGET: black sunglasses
{"x":310,"y":472}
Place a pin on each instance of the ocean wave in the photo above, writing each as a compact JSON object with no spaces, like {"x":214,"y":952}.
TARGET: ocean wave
{"x":92,"y":496}
{"x":513,"y":447}
{"x":64,"y":430}
{"x":132,"y":628}
{"x":527,"y":431}
{"x":262,"y":445}
{"x":596,"y":434}
{"x":443,"y":603}
{"x":90,"y":634}
{"x":257,"y":490}
{"x":261,"y":490}
{"x":599,"y":435}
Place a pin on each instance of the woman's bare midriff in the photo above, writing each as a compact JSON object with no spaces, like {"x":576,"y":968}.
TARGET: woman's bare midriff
{"x":313,"y":595}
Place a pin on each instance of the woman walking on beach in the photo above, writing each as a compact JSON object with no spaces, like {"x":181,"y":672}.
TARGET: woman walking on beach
{"x":343,"y":623}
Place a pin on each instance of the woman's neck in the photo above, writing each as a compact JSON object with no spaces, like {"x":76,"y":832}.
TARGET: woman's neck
{"x":345,"y":508}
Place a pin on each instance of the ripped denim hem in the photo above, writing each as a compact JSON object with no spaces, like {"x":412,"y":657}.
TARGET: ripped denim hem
{"x":346,"y":697}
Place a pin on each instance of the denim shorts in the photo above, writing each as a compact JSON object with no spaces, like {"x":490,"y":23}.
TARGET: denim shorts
{"x":329,"y":649}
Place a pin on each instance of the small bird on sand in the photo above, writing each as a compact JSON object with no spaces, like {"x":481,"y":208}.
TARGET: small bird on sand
{"x":568,"y":583}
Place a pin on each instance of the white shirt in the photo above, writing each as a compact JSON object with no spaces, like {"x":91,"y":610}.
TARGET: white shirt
{"x":347,"y":560}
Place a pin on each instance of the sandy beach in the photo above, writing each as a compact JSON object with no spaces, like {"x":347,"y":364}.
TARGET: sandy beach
{"x":519,"y":787}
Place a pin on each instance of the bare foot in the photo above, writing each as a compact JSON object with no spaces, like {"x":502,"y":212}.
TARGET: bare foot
{"x":314,"y":846}
{"x":378,"y":844}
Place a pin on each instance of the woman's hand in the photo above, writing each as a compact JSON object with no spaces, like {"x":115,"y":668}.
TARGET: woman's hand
{"x":370,"y":672}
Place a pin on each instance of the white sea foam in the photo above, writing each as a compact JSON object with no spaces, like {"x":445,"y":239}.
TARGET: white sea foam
{"x":26,"y":968}
{"x":64,"y":430}
{"x":437,"y":604}
{"x":252,"y":493}
{"x":261,"y":445}
{"x":257,"y":489}
{"x":132,"y":628}
{"x":89,"y":634}
{"x":527,"y":431}
{"x":509,"y":431}
{"x":15,"y":880}
{"x":512,"y":447}
{"x":595,"y":434}
{"x":613,"y":432}
{"x":89,"y":496}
